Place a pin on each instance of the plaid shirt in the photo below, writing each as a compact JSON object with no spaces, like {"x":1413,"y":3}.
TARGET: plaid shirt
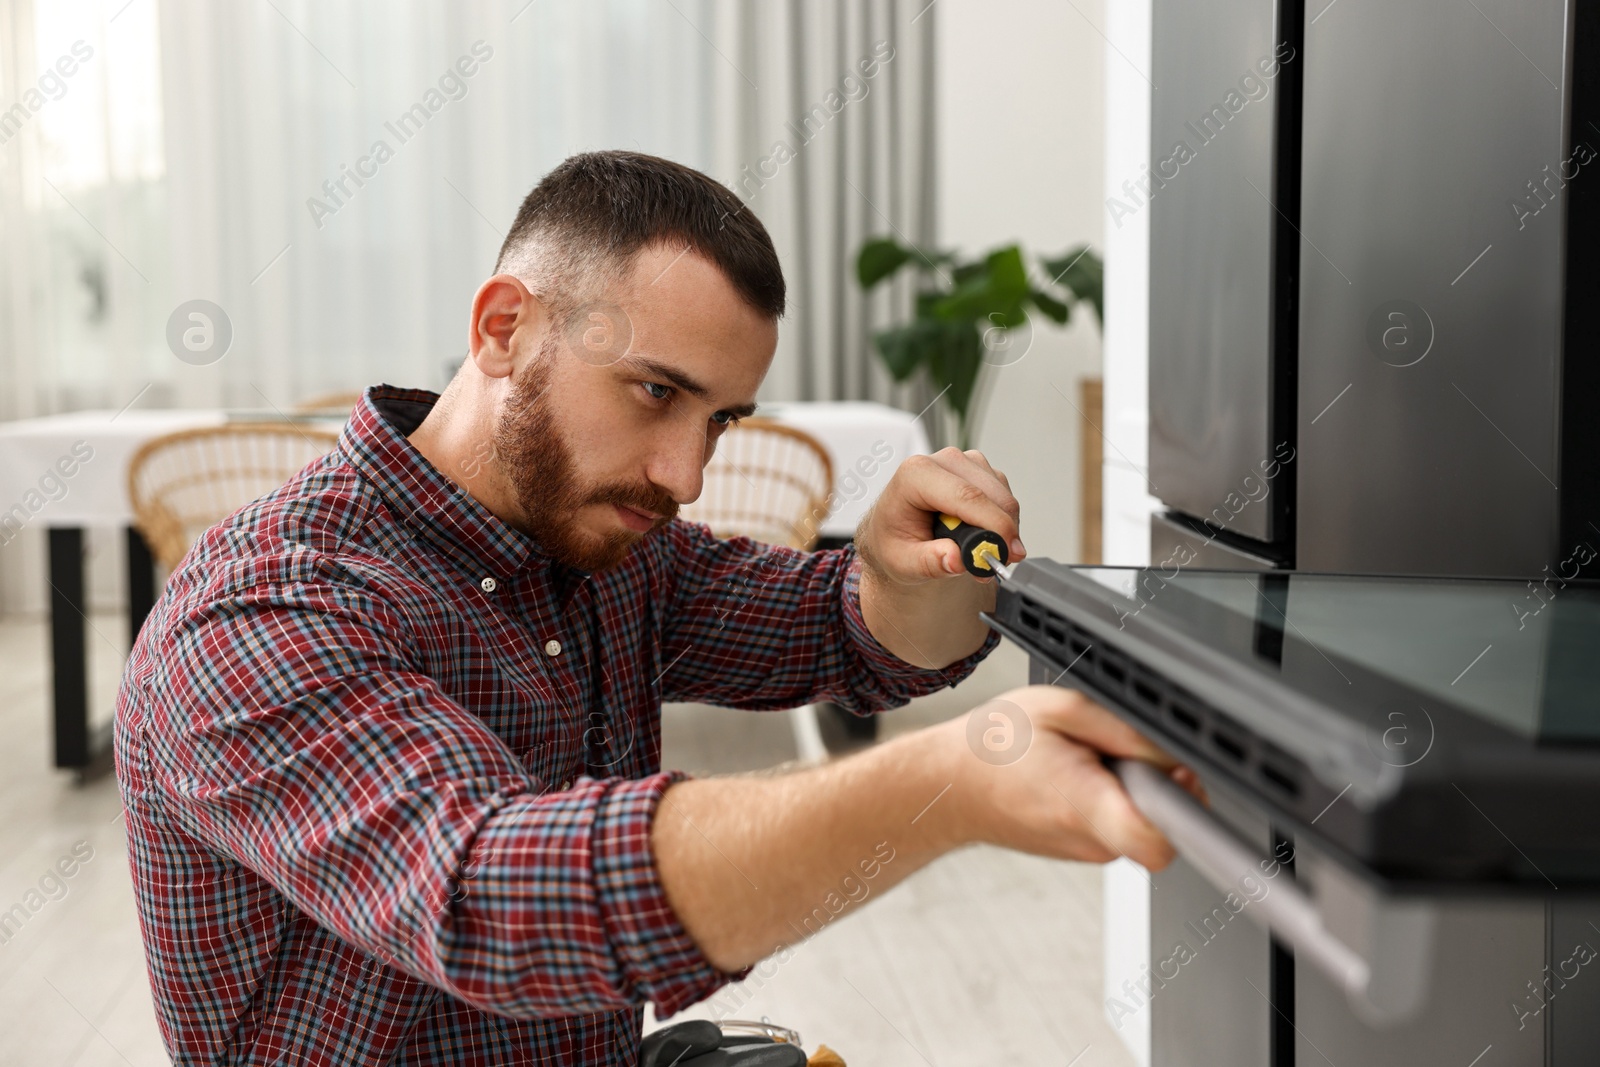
{"x":370,"y":817}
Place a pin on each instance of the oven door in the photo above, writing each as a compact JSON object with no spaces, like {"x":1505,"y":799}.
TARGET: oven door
{"x":1348,"y":895}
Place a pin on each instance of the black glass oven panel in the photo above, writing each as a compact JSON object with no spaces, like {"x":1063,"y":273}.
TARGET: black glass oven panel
{"x":1523,"y":656}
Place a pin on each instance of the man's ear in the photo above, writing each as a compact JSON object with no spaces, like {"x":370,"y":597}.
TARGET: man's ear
{"x":501,"y":307}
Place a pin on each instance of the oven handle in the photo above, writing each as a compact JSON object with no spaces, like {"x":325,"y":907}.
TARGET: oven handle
{"x":1389,"y":988}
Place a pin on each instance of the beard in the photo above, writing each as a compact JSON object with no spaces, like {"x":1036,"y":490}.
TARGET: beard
{"x":544,"y":477}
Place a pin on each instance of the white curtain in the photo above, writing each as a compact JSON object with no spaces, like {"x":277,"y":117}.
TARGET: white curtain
{"x":338,"y":178}
{"x":826,"y":128}
{"x":246,"y":109}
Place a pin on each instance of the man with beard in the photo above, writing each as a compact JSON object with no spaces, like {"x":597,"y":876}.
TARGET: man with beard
{"x":389,"y":745}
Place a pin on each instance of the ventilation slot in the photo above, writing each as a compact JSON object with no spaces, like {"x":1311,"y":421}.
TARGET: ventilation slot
{"x":1043,"y":625}
{"x":1280,"y":770}
{"x":1280,"y":779}
{"x":1229,"y":746}
{"x":1114,"y":669}
{"x":1147,"y":697}
{"x":1185,"y":717}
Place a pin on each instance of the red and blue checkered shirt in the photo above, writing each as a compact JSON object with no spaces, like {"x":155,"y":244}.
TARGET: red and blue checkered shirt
{"x":370,"y":817}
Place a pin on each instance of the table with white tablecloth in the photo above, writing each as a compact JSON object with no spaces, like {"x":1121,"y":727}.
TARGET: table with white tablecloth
{"x":65,"y":473}
{"x":96,"y":491}
{"x":866,"y":441}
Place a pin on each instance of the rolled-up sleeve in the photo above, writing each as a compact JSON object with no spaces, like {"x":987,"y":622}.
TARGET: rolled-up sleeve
{"x":765,"y":627}
{"x":300,"y":740}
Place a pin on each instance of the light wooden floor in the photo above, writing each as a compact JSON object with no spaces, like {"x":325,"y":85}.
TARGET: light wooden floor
{"x":985,"y":957}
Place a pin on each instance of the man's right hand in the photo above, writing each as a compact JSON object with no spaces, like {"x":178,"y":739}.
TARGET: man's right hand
{"x":1026,"y":773}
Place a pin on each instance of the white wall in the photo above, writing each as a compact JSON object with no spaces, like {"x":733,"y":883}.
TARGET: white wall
{"x":1128,"y":503}
{"x":1021,"y":135}
{"x":1126,"y":521}
{"x":1043,"y":107}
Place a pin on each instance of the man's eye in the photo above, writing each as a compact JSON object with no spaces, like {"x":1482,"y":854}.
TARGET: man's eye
{"x":651,"y":387}
{"x":725,"y":418}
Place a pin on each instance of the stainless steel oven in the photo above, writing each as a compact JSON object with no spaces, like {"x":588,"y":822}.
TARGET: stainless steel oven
{"x":1401,"y":860}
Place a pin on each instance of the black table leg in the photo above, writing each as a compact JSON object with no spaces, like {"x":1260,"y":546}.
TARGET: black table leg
{"x":69,"y":649}
{"x":141,"y":582}
{"x":857,"y":729}
{"x":75,"y":747}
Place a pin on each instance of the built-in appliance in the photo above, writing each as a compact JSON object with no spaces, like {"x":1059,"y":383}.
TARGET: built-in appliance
{"x":1405,"y":777}
{"x":1375,"y":257}
{"x":1374,"y":246}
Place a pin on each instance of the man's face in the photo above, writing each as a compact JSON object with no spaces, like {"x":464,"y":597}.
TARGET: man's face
{"x":610,"y":422}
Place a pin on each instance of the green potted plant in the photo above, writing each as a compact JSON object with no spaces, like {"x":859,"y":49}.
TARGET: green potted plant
{"x":966,"y":313}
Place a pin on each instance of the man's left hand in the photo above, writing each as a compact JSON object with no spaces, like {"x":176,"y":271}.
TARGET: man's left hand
{"x":896,"y":537}
{"x":917,"y":598}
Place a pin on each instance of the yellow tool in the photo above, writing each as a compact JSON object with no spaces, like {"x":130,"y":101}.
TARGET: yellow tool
{"x":983,"y":552}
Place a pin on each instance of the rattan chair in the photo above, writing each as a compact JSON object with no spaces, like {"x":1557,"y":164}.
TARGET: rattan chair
{"x":767,"y":481}
{"x":181,"y":483}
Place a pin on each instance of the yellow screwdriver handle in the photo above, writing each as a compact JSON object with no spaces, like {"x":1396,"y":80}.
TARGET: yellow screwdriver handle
{"x":978,"y":546}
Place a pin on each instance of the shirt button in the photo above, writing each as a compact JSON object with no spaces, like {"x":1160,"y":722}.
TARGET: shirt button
{"x":552,"y":647}
{"x":488,"y":585}
{"x":566,"y":785}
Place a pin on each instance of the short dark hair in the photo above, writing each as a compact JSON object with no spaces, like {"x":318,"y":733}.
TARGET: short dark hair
{"x":585,"y":221}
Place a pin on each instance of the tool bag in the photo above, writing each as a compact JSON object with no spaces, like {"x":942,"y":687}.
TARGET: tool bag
{"x":700,"y":1043}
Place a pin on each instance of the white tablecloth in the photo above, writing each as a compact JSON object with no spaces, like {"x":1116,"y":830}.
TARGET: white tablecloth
{"x":866,"y":442}
{"x":37,"y":454}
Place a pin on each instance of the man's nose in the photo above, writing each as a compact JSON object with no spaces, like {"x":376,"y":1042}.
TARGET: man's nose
{"x":678,"y":464}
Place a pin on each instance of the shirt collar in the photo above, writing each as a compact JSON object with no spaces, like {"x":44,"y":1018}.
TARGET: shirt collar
{"x":432,"y":506}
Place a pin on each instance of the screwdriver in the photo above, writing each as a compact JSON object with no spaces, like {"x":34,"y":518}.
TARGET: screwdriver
{"x":983,"y":552}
